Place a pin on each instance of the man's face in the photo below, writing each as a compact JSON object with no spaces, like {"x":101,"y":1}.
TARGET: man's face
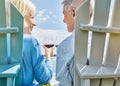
{"x":69,"y":19}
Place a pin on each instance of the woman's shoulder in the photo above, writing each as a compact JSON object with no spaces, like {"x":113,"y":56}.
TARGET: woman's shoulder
{"x":30,"y":39}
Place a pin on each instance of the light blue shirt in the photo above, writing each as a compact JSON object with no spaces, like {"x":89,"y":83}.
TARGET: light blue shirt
{"x":34,"y":64}
{"x":64,"y":66}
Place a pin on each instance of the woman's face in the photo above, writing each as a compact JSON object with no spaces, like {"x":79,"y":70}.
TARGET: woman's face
{"x":29,"y":20}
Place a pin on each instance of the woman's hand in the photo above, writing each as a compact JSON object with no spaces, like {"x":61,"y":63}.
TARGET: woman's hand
{"x":48,"y":51}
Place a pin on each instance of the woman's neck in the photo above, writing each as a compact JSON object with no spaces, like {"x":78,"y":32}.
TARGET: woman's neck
{"x":27,"y":31}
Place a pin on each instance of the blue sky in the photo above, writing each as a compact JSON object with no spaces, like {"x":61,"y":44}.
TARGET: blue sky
{"x":49,"y":15}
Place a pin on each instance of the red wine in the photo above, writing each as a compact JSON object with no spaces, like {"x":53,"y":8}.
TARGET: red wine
{"x":49,"y":45}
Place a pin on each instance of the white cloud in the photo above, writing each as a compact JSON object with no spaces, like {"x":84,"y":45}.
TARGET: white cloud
{"x":41,"y":17}
{"x":50,"y":13}
{"x":54,"y":16}
{"x":45,"y":16}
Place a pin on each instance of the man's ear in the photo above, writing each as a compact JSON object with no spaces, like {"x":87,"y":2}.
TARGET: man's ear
{"x":73,"y":10}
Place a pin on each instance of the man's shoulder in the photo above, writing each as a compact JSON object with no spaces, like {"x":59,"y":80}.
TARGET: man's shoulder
{"x":67,"y":44}
{"x":67,"y":40}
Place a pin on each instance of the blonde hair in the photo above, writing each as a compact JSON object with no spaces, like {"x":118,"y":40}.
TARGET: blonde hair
{"x":24,"y":6}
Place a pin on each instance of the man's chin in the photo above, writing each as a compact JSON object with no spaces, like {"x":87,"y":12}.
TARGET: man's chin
{"x":69,"y":30}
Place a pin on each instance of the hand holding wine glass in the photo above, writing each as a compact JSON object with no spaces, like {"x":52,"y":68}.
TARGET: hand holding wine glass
{"x":48,"y":50}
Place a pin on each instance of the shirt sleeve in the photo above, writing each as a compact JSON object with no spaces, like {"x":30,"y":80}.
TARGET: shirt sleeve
{"x":42,"y":67}
{"x":62,"y":68}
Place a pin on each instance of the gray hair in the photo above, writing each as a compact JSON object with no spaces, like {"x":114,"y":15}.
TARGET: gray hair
{"x":68,"y":3}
